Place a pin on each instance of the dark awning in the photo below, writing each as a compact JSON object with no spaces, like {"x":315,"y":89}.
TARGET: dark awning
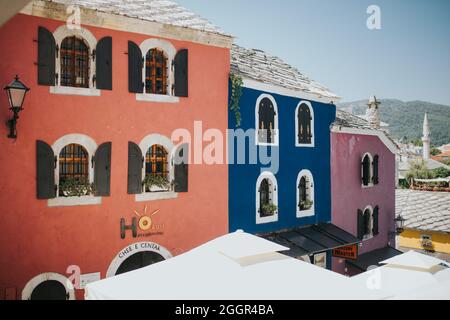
{"x":313,"y":239}
{"x":373,"y":258}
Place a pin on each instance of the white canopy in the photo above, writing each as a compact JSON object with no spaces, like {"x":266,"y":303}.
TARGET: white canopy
{"x":411,"y":275}
{"x":236,"y":266}
{"x":414,"y":259}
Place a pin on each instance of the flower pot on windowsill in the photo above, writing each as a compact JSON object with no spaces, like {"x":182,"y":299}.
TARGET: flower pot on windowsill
{"x":76,"y":188}
{"x":156,"y":184}
{"x":306,"y":205}
{"x":268,"y":210}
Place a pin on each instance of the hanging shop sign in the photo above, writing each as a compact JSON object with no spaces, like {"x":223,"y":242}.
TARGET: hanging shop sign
{"x":347,"y":252}
{"x":142,"y":225}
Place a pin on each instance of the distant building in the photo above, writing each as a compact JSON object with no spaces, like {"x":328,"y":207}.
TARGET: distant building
{"x":443,"y":157}
{"x":427,"y":225}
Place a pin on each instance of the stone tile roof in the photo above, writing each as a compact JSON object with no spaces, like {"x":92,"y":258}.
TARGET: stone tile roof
{"x":348,"y":120}
{"x":258,"y":65}
{"x":162,"y":11}
{"x":430,"y":164}
{"x":427,"y":211}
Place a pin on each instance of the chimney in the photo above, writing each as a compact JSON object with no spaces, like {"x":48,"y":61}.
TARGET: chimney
{"x":372,"y":113}
{"x":426,"y":138}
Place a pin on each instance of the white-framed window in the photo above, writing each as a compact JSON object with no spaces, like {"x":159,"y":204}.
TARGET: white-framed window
{"x":266,"y":198}
{"x":304,"y":125}
{"x":75,"y":65}
{"x":73,"y":167}
{"x":305,"y":194}
{"x":158,"y":74}
{"x":266,"y":121}
{"x":368,"y":223}
{"x":320,"y":260}
{"x":49,"y":286}
{"x":158,"y":168}
{"x":367,"y":171}
{"x":426,"y":241}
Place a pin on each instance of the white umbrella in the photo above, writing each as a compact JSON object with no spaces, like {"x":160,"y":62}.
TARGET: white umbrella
{"x":414,"y":259}
{"x":237,"y":266}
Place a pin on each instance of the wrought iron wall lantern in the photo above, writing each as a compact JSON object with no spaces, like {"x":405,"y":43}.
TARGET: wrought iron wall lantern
{"x":399,"y":225}
{"x":16,"y":92}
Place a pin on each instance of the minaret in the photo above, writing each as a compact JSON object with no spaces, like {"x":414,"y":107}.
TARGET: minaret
{"x":426,"y":138}
{"x":372,"y":113}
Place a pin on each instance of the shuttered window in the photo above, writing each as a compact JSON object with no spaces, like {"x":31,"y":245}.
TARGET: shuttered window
{"x":155,"y":72}
{"x":264,"y":196}
{"x":366,"y":170}
{"x":74,"y":63}
{"x":304,"y":129}
{"x":73,"y":164}
{"x":266,"y":126}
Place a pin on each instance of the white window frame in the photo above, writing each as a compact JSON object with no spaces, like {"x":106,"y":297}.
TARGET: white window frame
{"x":310,"y":212}
{"x":313,"y":133}
{"x":60,"y":34}
{"x":370,"y":185}
{"x":146,"y":143}
{"x":276,"y":131}
{"x":274,"y":200}
{"x":91,"y":147}
{"x":370,"y":234}
{"x":170,"y":52}
{"x":48,"y":276}
{"x":320,"y":255}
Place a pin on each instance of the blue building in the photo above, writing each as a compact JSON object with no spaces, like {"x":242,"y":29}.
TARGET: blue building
{"x":282,"y":191}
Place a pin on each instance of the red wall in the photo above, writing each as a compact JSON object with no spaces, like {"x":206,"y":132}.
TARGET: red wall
{"x":348,"y":195}
{"x":35,"y":238}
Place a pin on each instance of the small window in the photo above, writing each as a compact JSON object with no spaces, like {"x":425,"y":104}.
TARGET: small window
{"x":305,"y":194}
{"x":74,"y":63}
{"x":366,"y":170}
{"x":267,"y":127}
{"x":156,"y":72}
{"x":426,"y":241}
{"x":73,"y":169}
{"x":266,"y":198}
{"x":304,"y":125}
{"x":156,"y":169}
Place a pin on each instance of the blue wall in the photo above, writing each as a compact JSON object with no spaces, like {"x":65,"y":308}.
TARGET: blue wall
{"x":292,"y":159}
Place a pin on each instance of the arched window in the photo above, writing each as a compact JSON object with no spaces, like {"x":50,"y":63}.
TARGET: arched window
{"x":74,"y":63}
{"x":156,"y":72}
{"x":366,"y":170}
{"x":266,"y":120}
{"x":266,"y":198}
{"x":304,"y":124}
{"x":305,"y":194}
{"x":156,"y":169}
{"x":73,"y":168}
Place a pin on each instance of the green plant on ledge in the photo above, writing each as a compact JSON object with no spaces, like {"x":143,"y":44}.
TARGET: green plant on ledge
{"x":268,"y":209}
{"x":76,"y":187}
{"x":156,"y":181}
{"x":236,"y":94}
{"x":306,"y":204}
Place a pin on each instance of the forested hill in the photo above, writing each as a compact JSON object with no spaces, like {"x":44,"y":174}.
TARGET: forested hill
{"x":406,"y":118}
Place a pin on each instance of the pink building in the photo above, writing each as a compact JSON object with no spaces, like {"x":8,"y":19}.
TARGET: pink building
{"x":363,"y":189}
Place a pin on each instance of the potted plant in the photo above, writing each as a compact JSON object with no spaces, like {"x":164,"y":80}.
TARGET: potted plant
{"x":306,"y":204}
{"x":76,"y":187}
{"x":155,"y":183}
{"x":268,"y":209}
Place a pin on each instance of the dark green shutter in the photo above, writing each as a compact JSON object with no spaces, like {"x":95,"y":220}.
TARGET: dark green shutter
{"x":360,"y":225}
{"x":103,"y":62}
{"x":135,"y":66}
{"x":375,"y":221}
{"x":376,"y":179}
{"x":102,"y":171}
{"x":181,"y":73}
{"x":46,"y":57}
{"x":135,"y":166}
{"x":45,"y":171}
{"x":365,"y":164}
{"x":181,"y":164}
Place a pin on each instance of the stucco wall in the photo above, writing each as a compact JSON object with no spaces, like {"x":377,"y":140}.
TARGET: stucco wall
{"x":412,"y":239}
{"x":36,"y":238}
{"x":348,"y":195}
{"x":292,"y":160}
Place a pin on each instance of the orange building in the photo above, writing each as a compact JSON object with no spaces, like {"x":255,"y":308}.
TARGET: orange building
{"x":91,"y":187}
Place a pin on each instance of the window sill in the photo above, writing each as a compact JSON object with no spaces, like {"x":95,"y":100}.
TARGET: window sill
{"x":367,"y":237}
{"x":262,"y":220}
{"x":153,"y":196}
{"x":306,"y":213}
{"x":370,"y":185}
{"x":74,"y":201}
{"x":157,"y":98}
{"x":306,"y":145}
{"x":72,"y":91}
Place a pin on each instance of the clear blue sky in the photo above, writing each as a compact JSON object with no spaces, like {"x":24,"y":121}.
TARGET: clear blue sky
{"x":327,"y":40}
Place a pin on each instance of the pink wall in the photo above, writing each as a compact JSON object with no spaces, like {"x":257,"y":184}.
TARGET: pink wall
{"x":35,"y":238}
{"x":348,"y":195}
